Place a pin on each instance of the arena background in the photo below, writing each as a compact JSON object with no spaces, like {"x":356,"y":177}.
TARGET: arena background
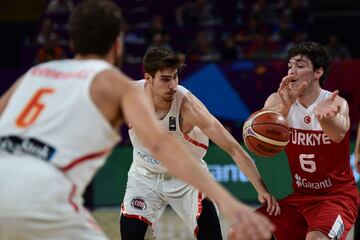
{"x":231,"y":86}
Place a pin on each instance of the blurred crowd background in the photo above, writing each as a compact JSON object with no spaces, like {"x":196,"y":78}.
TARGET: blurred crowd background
{"x":236,"y":56}
{"x":207,"y":31}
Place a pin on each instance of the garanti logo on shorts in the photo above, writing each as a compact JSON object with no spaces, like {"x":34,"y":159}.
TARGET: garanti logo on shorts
{"x":138,"y":203}
{"x":313,"y":185}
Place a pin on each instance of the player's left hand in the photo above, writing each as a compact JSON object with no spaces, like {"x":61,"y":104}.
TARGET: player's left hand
{"x":273,"y":206}
{"x":327,"y":107}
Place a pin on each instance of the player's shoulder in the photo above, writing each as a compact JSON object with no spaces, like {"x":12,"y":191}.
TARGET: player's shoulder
{"x":339,"y":99}
{"x":112,"y":81}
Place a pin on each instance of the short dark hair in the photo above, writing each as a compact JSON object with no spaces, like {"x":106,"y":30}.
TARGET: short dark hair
{"x":94,"y":26}
{"x":159,"y":58}
{"x":319,"y":56}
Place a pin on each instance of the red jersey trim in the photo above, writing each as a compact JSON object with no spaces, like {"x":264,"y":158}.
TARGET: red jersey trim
{"x":71,"y":196}
{"x":193,"y":141}
{"x":141,"y":218}
{"x":196,"y":231}
{"x":77,"y":161}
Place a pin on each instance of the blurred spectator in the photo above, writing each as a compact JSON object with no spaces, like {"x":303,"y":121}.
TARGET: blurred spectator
{"x":159,"y":40}
{"x":261,"y":47}
{"x":202,"y":49}
{"x":250,"y":31}
{"x":197,"y":13}
{"x":297,"y":37}
{"x":299,"y":14}
{"x":284,"y":29}
{"x":337,"y":49}
{"x":157,"y":27}
{"x":263,"y":11}
{"x":230,"y":50}
{"x":44,"y":34}
{"x":51,"y":50}
{"x":60,"y":7}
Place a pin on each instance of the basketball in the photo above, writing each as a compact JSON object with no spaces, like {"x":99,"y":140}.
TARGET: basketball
{"x":266,"y":133}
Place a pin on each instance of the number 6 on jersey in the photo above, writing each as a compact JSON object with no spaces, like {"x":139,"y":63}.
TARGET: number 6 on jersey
{"x":33,"y":108}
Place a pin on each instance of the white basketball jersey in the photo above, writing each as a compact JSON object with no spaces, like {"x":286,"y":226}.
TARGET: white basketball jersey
{"x":195,"y":141}
{"x":51,"y":117}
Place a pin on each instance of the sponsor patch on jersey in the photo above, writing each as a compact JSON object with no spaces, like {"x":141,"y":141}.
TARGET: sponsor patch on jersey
{"x":172,"y":123}
{"x":307,"y":119}
{"x":138,"y":203}
{"x":303,"y":182}
{"x":34,"y":147}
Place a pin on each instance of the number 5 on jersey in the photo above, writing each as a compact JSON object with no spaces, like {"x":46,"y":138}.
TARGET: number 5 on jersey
{"x":33,"y":108}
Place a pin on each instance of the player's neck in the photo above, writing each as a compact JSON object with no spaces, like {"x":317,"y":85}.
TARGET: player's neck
{"x":158,"y":102}
{"x":93,"y":56}
{"x":309,"y":97}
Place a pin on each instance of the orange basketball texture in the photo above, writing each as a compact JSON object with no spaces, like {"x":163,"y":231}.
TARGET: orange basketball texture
{"x":266,"y":133}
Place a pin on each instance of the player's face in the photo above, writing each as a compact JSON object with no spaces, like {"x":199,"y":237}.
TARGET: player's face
{"x":301,"y":70}
{"x":165,"y":83}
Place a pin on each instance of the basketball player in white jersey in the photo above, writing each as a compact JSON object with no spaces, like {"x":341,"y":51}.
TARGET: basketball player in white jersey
{"x":58,"y":124}
{"x":150,"y":187}
{"x":325,"y":199}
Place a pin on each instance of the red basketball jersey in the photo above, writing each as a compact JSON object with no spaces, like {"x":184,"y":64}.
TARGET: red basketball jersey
{"x":317,"y":164}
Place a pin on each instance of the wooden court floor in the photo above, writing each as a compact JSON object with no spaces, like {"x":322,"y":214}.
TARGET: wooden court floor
{"x":170,"y":226}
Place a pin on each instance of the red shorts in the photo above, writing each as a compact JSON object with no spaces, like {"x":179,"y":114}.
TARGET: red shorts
{"x":332,"y":215}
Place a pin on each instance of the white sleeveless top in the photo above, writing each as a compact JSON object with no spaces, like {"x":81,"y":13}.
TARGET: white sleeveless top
{"x":52,"y":117}
{"x":195,"y":141}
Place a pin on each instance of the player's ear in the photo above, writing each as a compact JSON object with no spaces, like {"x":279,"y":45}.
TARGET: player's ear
{"x":119,"y":45}
{"x":318,"y":73}
{"x":148,"y":77}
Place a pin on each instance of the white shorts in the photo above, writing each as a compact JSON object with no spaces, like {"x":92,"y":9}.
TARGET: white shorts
{"x":35,"y":203}
{"x":148,"y":193}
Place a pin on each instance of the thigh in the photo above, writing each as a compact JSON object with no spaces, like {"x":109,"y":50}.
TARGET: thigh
{"x":142,"y":199}
{"x":331,"y":217}
{"x":76,"y":225}
{"x":290,"y":224}
{"x":186,"y":202}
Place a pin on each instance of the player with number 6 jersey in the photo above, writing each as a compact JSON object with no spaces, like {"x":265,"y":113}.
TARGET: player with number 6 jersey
{"x":58,"y":123}
{"x":325,"y":199}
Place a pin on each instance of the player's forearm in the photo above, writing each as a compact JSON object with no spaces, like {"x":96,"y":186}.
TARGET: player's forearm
{"x":180,"y":162}
{"x":335,"y":127}
{"x":248,"y":167}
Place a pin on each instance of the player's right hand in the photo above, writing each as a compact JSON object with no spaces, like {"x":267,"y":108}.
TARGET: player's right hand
{"x":289,"y":90}
{"x":246,"y":223}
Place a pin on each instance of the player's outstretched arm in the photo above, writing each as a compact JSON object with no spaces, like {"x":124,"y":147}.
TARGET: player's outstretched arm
{"x":194,"y":113}
{"x":333,"y":115}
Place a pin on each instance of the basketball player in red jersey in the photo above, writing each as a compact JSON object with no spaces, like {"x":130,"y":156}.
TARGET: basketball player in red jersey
{"x":325,"y":199}
{"x":58,"y":124}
